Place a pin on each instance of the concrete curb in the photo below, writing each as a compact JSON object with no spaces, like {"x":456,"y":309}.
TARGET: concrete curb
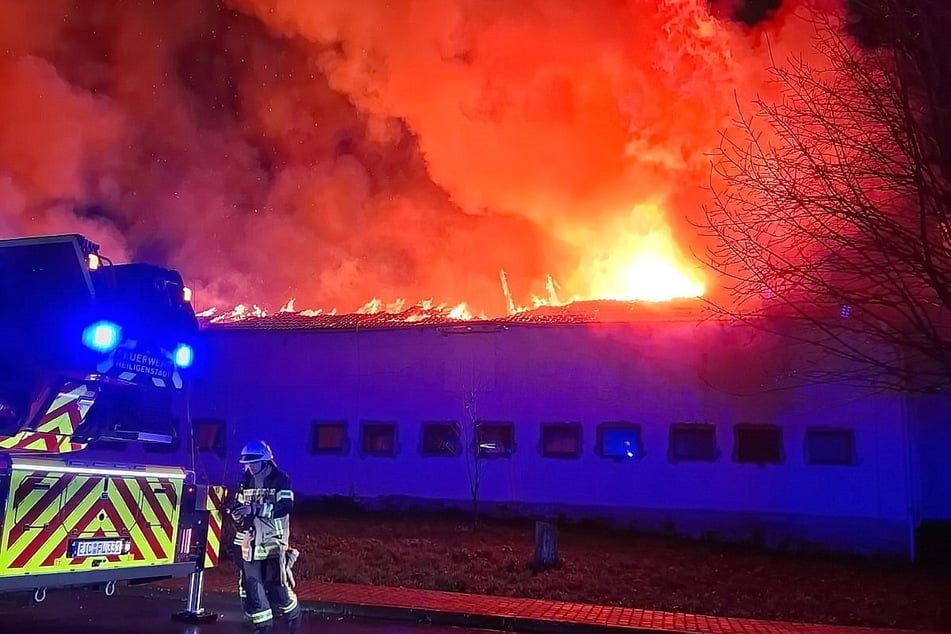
{"x":470,"y":620}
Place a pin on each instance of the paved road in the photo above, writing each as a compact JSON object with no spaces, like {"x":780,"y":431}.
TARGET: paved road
{"x":87,"y":612}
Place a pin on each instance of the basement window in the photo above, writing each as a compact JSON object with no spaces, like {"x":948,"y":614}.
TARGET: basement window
{"x":495,"y":440}
{"x":693,"y":442}
{"x":441,"y":440}
{"x":758,"y":444}
{"x":378,"y":439}
{"x":329,"y":437}
{"x":620,"y":441}
{"x":827,"y":446}
{"x":561,"y":440}
{"x":209,"y":435}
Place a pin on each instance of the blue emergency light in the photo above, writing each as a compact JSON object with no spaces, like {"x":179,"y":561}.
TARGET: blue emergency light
{"x":183,"y":355}
{"x":102,"y":336}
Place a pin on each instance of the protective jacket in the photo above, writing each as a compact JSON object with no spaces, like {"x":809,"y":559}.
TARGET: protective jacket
{"x":266,"y":531}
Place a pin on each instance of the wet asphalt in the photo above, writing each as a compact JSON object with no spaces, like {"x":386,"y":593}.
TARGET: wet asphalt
{"x":143,"y":611}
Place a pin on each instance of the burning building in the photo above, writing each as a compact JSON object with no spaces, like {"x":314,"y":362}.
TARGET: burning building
{"x":644,"y":416}
{"x":508,"y":160}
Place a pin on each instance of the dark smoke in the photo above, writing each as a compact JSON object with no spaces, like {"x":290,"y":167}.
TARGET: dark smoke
{"x":400,"y":150}
{"x":748,"y":12}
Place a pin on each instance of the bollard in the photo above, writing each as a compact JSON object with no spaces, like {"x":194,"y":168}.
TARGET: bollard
{"x":546,"y":546}
{"x":193,"y":612}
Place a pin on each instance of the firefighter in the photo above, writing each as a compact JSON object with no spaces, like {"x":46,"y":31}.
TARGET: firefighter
{"x":262,"y":506}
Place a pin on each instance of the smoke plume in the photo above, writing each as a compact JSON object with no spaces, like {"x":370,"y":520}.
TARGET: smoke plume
{"x":334,"y":151}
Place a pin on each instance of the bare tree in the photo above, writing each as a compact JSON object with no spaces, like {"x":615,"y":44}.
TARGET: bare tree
{"x":830,"y":213}
{"x":470,"y":436}
{"x":479,"y":439}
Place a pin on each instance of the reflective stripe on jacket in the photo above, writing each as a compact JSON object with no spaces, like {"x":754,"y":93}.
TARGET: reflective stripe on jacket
{"x":267,"y":531}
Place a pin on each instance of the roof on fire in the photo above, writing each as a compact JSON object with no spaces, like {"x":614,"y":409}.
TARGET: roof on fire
{"x":577,"y":313}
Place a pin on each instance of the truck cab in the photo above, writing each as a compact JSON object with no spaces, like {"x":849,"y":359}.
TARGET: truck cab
{"x":69,"y":316}
{"x":93,"y":352}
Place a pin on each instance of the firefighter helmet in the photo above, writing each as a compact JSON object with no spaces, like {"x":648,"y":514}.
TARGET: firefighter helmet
{"x":256,"y":451}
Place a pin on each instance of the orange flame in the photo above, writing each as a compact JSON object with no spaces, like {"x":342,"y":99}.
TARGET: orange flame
{"x":638,"y":263}
{"x":542,"y":127}
{"x":633,"y":259}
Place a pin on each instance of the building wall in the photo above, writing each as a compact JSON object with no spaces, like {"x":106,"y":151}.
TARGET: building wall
{"x":275,"y":385}
{"x":930,"y":438}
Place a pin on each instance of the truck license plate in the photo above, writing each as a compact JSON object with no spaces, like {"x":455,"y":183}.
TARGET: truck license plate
{"x":97,"y":547}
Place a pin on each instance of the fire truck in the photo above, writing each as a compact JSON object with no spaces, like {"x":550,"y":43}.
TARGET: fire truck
{"x":93,"y":352}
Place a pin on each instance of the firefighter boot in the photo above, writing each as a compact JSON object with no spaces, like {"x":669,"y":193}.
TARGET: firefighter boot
{"x":263,"y":627}
{"x":293,"y":624}
{"x":292,"y":613}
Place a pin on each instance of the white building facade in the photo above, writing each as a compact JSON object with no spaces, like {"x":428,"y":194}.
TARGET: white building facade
{"x":669,"y":427}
